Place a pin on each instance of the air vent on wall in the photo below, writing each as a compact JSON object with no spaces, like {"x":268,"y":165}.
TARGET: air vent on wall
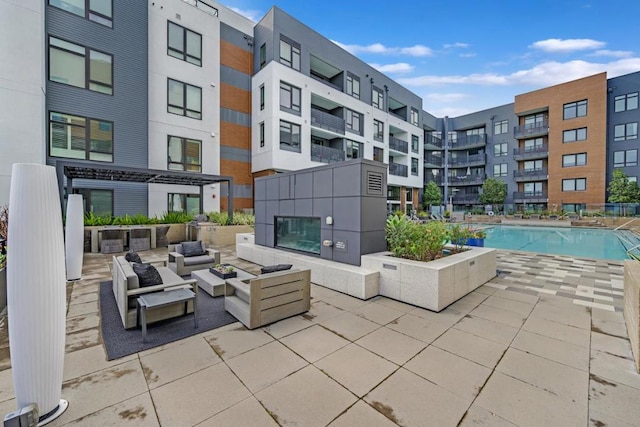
{"x":178,"y":16}
{"x":374,"y":183}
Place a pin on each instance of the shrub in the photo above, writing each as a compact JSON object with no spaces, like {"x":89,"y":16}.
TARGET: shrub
{"x":410,"y":240}
{"x":175,"y":218}
{"x":91,"y":219}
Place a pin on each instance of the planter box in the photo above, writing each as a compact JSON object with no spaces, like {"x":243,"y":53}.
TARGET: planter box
{"x":632,"y":306}
{"x":217,"y":235}
{"x":222,"y":275}
{"x":435,"y":284}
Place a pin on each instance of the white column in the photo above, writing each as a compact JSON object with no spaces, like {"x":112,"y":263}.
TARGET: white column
{"x":36,"y":289}
{"x":74,"y":236}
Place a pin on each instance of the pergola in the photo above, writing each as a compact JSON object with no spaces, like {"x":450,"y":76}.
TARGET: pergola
{"x":86,"y":170}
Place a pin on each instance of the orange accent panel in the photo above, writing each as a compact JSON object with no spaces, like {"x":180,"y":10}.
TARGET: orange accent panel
{"x":236,"y":58}
{"x":234,"y":135}
{"x":240,"y":171}
{"x":235,"y":98}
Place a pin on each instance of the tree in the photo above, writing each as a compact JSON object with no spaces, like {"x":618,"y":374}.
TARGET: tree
{"x":432,"y":195}
{"x":494,"y":192}
{"x":621,"y":190}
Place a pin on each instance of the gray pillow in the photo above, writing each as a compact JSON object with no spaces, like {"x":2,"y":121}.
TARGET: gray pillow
{"x":132,"y":256}
{"x":147,"y":275}
{"x":193,"y":248}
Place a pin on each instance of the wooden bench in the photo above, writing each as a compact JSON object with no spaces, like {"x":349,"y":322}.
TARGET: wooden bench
{"x":269,"y":297}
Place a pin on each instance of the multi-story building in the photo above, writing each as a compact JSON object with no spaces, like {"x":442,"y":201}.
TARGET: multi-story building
{"x":190,"y":85}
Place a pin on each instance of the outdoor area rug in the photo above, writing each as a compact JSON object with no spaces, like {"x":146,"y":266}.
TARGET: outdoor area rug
{"x":120,"y":342}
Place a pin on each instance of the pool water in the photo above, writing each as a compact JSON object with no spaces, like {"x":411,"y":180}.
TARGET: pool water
{"x":577,"y":242}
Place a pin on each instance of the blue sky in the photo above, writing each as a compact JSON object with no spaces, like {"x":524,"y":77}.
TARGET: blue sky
{"x":470,"y":55}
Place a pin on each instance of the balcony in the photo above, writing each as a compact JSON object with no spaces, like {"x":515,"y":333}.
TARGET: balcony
{"x":320,"y":153}
{"x":437,"y":179}
{"x":432,"y":161}
{"x":398,"y":170}
{"x":432,"y":142}
{"x":530,"y":197}
{"x":466,"y":199}
{"x":467,"y":142}
{"x":531,"y":175}
{"x":327,"y":121}
{"x":468,"y":161}
{"x":530,"y":153}
{"x":467,"y":180}
{"x":399,"y":145}
{"x":326,"y":73}
{"x":531,"y":130}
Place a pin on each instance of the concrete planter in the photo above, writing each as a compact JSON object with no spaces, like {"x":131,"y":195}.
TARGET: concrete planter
{"x":221,"y":235}
{"x":632,"y":306}
{"x":435,"y":284}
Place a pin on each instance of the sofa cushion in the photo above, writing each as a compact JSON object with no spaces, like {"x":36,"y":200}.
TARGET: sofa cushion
{"x":201,"y":259}
{"x":132,"y":256}
{"x":273,"y":268}
{"x":192,"y":249}
{"x":147,"y":274}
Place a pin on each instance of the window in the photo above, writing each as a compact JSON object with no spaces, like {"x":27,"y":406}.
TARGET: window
{"x":632,"y":178}
{"x":353,"y":121}
{"x":378,"y":154}
{"x":415,"y":143}
{"x":414,"y":117}
{"x":184,"y":154}
{"x":626,"y":102}
{"x":534,"y":121}
{"x":353,"y":86}
{"x":184,"y":99}
{"x":184,"y":44}
{"x":289,"y":136}
{"x":186,"y":203}
{"x":378,"y":130}
{"x":533,"y":189}
{"x":377,"y":98}
{"x":100,"y":11}
{"x":569,"y":160}
{"x":501,"y":127}
{"x":354,"y":150}
{"x":76,"y":137}
{"x":532,"y":165}
{"x":262,"y":134}
{"x":574,"y":135}
{"x":290,"y":54}
{"x":625,"y":131}
{"x":289,"y":98}
{"x":414,"y":166}
{"x":535,"y":144}
{"x":263,"y":55}
{"x":575,"y":109}
{"x":500,"y":169}
{"x":625,"y":158}
{"x":577,"y":184}
{"x":501,"y":149}
{"x":100,"y":202}
{"x":261,"y":97}
{"x":68,"y":64}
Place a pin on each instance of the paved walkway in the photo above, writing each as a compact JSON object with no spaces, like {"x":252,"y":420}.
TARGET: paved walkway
{"x":542,"y":344}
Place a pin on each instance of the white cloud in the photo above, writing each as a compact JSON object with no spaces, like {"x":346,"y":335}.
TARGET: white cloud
{"x":613,"y":53}
{"x":467,"y":55}
{"x":417,"y":50}
{"x":445,"y":97}
{"x":567,"y":45}
{"x":400,"y":67}
{"x":456,"y":45}
{"x":253,"y":15}
{"x":480,"y":79}
{"x":379,"y":48}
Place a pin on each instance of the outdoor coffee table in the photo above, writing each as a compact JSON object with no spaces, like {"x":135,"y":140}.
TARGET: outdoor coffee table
{"x":214,"y":285}
{"x":161,"y":299}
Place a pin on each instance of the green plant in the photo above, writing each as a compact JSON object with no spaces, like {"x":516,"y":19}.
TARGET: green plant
{"x":175,"y":218}
{"x":458,"y":235}
{"x":91,"y":219}
{"x":241,"y":218}
{"x":410,"y":240}
{"x":221,"y":218}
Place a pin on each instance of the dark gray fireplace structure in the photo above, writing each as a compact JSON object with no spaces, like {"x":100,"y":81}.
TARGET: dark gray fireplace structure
{"x":336,"y":212}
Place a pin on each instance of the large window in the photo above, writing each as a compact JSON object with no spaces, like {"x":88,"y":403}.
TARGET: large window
{"x":535,"y":144}
{"x":533,"y":189}
{"x":378,"y":130}
{"x":186,"y":203}
{"x":500,"y":169}
{"x":534,"y":121}
{"x":76,"y":137}
{"x":501,"y":127}
{"x":289,"y":98}
{"x":68,"y":64}
{"x":263,"y":55}
{"x":574,"y":135}
{"x":377,"y":98}
{"x":570,"y":160}
{"x":100,"y":202}
{"x":289,"y":136}
{"x":415,"y":143}
{"x":501,"y":149}
{"x":414,"y":166}
{"x":184,"y":154}
{"x":626,"y":102}
{"x":353,"y":121}
{"x":184,"y":44}
{"x":576,"y":184}
{"x":290,"y":54}
{"x":625,"y":131}
{"x":261,"y":134}
{"x":100,"y":11}
{"x":261,"y":97}
{"x":301,"y":234}
{"x":533,"y":165}
{"x":625,"y":158}
{"x":575,"y":109}
{"x":353,"y":85}
{"x":378,"y":154}
{"x":414,"y":117}
{"x":354,"y":150}
{"x":184,"y":99}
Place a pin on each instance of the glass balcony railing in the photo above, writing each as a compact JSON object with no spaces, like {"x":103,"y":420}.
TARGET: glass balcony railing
{"x":397,"y":144}
{"x":320,"y":153}
{"x":431,"y":141}
{"x":529,"y":196}
{"x":327,"y":121}
{"x":531,"y":174}
{"x":538,"y":152}
{"x":470,"y":160}
{"x":398,"y":169}
{"x":530,"y":130}
{"x":469,"y":141}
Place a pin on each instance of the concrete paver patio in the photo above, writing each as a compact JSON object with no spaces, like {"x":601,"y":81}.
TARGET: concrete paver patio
{"x":527,"y":349}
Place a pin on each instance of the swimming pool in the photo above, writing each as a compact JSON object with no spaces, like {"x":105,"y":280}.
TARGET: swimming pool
{"x":578,"y":242}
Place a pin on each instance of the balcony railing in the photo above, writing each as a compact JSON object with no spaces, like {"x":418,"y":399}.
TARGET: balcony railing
{"x":469,"y":141}
{"x":466,"y":198}
{"x":398,"y":169}
{"x":471,"y":160}
{"x":531,"y":130}
{"x":398,"y":145}
{"x":207,"y":8}
{"x":530,"y":196}
{"x":431,"y":142}
{"x":437,"y":179}
{"x":432,"y":161}
{"x":327,"y":121}
{"x":539,"y":152}
{"x":320,"y":153}
{"x":467,"y":180}
{"x":531,"y":175}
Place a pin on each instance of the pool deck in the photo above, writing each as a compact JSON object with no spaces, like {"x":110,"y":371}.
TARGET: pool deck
{"x":542,"y":344}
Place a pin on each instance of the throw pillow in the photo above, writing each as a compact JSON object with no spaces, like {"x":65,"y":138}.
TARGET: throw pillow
{"x":148,"y":275}
{"x":274,"y":268}
{"x":193,"y":248}
{"x":132,"y":256}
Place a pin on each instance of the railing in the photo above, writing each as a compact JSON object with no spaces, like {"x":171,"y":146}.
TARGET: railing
{"x":534,"y":174}
{"x":320,"y":153}
{"x":398,"y":145}
{"x":437,"y":179}
{"x":471,"y":160}
{"x":327,"y":121}
{"x":469,"y":141}
{"x":430,"y":160}
{"x":466,"y":198}
{"x":398,"y":115}
{"x":529,"y":195}
{"x":467,"y":180}
{"x":531,"y":152}
{"x":207,"y":8}
{"x":398,"y":169}
{"x":433,"y":141}
{"x":529,"y":130}
{"x":323,"y":79}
